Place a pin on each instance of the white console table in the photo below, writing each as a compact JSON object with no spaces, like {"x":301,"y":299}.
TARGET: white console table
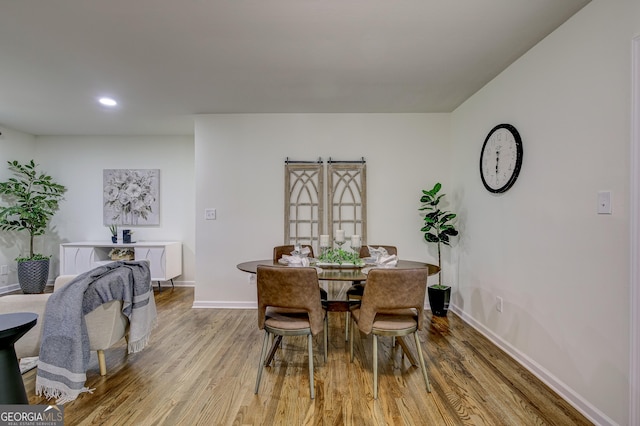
{"x":165,"y":257}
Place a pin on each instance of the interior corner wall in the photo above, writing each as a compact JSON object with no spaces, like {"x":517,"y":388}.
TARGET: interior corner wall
{"x":77,"y":162}
{"x":561,"y":268}
{"x":240,"y":172}
{"x":19,"y":146}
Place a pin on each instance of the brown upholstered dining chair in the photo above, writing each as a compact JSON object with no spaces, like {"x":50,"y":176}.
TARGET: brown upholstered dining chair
{"x":392,"y":305}
{"x":355,"y":291}
{"x":288,"y":305}
{"x":278,"y":251}
{"x":364,"y":250}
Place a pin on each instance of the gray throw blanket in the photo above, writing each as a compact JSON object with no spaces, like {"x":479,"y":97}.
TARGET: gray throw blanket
{"x":64,"y":351}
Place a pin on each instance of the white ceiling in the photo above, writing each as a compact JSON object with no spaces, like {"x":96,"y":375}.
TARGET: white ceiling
{"x":165,"y":60}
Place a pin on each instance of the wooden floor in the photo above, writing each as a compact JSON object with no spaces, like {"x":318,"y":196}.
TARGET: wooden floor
{"x":200,"y":369}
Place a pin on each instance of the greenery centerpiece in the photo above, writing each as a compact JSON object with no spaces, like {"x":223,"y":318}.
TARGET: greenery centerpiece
{"x":438,"y":228}
{"x":32,"y":199}
{"x":339,"y":256}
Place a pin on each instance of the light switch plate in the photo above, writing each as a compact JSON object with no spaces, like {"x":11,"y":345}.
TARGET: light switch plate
{"x":604,"y":202}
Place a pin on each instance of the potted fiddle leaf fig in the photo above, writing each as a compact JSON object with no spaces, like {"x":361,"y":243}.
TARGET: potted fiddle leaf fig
{"x":438,"y":228}
{"x":32,"y":199}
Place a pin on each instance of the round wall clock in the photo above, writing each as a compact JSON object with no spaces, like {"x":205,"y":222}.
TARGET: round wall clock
{"x":501,"y":158}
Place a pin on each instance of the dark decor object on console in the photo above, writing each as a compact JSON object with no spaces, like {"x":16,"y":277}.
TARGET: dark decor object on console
{"x":114,"y":233}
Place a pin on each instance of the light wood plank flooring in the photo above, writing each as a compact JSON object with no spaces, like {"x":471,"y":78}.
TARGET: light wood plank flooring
{"x":200,"y":369}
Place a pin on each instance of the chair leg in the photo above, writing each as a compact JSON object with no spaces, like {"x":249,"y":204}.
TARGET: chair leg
{"x":405,"y":350}
{"x":375,"y":367}
{"x":326,"y":336}
{"x":263,"y":353}
{"x":311,"y":385}
{"x":353,"y":328}
{"x":346,"y":326}
{"x":421,"y":358}
{"x":275,"y":343}
{"x":102,"y":362}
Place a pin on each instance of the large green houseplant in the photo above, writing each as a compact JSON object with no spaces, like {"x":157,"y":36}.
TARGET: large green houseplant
{"x":32,"y":199}
{"x":438,"y":228}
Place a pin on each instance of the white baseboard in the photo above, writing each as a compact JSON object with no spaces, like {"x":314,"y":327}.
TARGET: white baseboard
{"x":166,"y":284}
{"x":8,"y":288}
{"x":565,"y":392}
{"x":203,"y":304}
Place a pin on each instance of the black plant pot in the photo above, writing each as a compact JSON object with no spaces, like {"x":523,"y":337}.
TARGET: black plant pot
{"x":33,"y":275}
{"x":439,"y":300}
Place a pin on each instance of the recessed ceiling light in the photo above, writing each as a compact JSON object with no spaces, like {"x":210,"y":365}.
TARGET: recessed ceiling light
{"x":108,"y":102}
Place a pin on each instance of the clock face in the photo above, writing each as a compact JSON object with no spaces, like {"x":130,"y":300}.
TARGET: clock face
{"x":501,"y":158}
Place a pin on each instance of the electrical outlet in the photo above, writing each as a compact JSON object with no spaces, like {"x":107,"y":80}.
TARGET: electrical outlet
{"x":210,"y":214}
{"x":498,"y":303}
{"x":252,"y":279}
{"x":4,"y":270}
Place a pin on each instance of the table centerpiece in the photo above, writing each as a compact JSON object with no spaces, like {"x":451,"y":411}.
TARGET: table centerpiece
{"x":340,"y":258}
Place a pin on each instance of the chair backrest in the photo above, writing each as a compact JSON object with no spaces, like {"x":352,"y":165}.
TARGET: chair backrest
{"x":388,"y":290}
{"x":278,"y":251}
{"x":292,"y":288}
{"x":364,"y":250}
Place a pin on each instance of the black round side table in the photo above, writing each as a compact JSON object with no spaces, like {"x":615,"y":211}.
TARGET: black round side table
{"x":13,"y":327}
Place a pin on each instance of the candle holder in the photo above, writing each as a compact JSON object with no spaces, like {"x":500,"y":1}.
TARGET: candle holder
{"x":356,"y":243}
{"x":324,"y":249}
{"x":339,"y":238}
{"x":324,"y":244}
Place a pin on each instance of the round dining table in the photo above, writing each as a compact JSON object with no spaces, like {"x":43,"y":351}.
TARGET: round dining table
{"x":339,"y":273}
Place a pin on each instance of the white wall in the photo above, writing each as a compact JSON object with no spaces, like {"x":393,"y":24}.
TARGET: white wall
{"x":562,"y":269}
{"x":240,"y":172}
{"x":19,"y":146}
{"x":78,"y":162}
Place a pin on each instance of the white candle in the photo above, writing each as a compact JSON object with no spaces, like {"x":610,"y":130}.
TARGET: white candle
{"x":340,"y":235}
{"x":355,"y":241}
{"x":324,"y":241}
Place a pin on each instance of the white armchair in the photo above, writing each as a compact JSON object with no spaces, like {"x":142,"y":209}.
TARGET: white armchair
{"x":106,"y":324}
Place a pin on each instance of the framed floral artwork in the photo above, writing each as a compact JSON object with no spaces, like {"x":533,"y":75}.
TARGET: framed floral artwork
{"x":131,"y":196}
